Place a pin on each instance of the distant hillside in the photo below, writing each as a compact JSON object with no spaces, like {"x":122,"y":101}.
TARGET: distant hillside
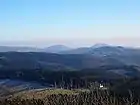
{"x":56,"y":49}
{"x":96,"y":50}
{"x":32,"y":60}
{"x":100,"y":50}
{"x":51,"y":49}
{"x":110,"y":59}
{"x":19,"y":49}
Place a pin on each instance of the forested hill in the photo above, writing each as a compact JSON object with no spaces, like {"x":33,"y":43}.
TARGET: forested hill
{"x":121,"y":65}
{"x":33,"y":60}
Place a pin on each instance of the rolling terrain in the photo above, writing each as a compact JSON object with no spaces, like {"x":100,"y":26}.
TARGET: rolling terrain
{"x":110,"y":58}
{"x":99,"y":62}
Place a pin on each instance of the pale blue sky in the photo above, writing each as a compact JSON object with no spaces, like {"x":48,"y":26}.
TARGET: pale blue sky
{"x":70,"y":22}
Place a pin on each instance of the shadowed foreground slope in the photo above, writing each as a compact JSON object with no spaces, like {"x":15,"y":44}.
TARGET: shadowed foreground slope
{"x":83,"y":98}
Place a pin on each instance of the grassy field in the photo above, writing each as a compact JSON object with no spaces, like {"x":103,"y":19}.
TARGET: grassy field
{"x":40,"y":94}
{"x":66,"y":97}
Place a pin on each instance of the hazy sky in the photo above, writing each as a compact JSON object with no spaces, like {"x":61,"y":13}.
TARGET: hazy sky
{"x":69,"y":22}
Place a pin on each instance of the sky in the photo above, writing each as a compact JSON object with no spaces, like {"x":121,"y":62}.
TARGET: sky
{"x":69,"y":22}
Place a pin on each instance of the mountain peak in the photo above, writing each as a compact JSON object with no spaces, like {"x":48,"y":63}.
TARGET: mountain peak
{"x":62,"y":46}
{"x":57,"y":48}
{"x":99,"y":45}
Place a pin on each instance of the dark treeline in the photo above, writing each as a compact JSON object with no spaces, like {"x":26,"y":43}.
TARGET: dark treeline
{"x":65,"y":78}
{"x":74,"y":79}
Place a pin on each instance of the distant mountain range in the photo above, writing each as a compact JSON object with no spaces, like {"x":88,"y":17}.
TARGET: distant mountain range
{"x":103,"y":50}
{"x":51,"y":49}
{"x":61,"y":49}
{"x":49,"y":61}
{"x":18,"y":49}
{"x":114,"y":59}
